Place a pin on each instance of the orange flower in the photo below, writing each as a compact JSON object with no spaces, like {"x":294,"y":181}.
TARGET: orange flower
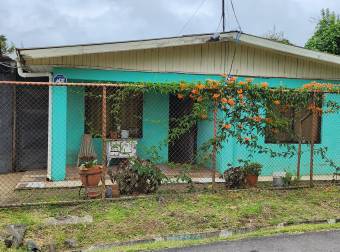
{"x":224,"y":100}
{"x":277,"y":102}
{"x":240,"y":91}
{"x":264,"y":84}
{"x":269,"y":120}
{"x":316,"y":86}
{"x":241,"y":83}
{"x":215,"y":84}
{"x":194,"y":91}
{"x":180,"y":96}
{"x":215,"y":96}
{"x":240,"y":96}
{"x":249,"y":80}
{"x":199,"y":86}
{"x":227,"y":126}
{"x":182,"y":86}
{"x":199,"y":98}
{"x":231,"y":102}
{"x":257,"y":118}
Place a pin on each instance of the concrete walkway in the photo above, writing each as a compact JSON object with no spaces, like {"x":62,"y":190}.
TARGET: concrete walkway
{"x":308,"y":242}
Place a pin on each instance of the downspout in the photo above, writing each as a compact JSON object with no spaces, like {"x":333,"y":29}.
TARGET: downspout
{"x":23,"y":74}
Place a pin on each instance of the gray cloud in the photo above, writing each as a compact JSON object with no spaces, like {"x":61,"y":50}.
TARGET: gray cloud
{"x":34,"y":23}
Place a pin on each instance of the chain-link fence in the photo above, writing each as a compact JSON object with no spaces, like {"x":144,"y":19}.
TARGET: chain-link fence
{"x":66,"y":142}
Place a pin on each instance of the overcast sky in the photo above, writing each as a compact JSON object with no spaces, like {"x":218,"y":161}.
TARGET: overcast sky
{"x":34,"y":23}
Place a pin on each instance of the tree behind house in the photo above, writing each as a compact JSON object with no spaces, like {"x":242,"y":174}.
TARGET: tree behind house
{"x":5,"y":47}
{"x":326,"y":37}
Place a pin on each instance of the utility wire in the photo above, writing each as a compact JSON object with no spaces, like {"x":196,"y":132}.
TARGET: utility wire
{"x":219,"y":24}
{"x":193,"y":15}
{"x":237,"y":39}
{"x":238,"y":23}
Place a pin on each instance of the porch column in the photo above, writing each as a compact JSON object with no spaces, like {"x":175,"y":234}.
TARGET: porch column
{"x":58,"y":132}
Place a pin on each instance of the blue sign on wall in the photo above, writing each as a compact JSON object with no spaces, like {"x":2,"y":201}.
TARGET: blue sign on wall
{"x":59,"y":78}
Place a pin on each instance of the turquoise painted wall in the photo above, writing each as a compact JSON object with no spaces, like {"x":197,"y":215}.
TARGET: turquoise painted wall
{"x":155,"y":128}
{"x":59,"y":129}
{"x":75,"y":122}
{"x":156,"y":131}
{"x":330,"y":138}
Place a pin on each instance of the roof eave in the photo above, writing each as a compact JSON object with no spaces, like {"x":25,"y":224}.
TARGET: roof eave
{"x":176,"y":41}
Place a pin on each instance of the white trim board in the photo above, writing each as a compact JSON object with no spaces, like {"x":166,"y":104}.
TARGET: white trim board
{"x":69,"y":50}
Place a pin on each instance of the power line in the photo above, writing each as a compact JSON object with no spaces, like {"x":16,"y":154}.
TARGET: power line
{"x":238,"y":23}
{"x":223,"y":15}
{"x":219,"y":24}
{"x":193,"y":15}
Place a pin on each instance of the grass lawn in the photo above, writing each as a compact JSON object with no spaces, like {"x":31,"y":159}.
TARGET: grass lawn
{"x":295,"y":229}
{"x":176,"y":213}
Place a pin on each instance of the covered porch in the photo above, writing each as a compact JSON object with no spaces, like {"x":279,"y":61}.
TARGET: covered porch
{"x":77,"y":110}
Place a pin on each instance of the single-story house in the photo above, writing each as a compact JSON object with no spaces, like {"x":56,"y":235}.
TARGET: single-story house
{"x":189,"y":58}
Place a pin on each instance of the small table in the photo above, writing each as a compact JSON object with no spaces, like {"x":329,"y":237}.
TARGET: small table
{"x":120,"y":148}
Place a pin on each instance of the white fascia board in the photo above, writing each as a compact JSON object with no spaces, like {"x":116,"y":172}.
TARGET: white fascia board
{"x":177,"y":41}
{"x":112,"y":47}
{"x":286,"y":49}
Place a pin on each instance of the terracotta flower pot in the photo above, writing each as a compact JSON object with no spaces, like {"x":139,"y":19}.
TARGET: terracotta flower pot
{"x":90,"y":177}
{"x":251,"y":180}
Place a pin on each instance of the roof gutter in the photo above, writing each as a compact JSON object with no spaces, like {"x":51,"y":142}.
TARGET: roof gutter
{"x":31,"y":75}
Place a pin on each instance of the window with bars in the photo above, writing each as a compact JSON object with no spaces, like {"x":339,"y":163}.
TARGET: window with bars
{"x":124,"y":112}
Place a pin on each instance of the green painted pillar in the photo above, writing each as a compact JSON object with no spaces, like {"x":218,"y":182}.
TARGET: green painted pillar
{"x":59,"y":126}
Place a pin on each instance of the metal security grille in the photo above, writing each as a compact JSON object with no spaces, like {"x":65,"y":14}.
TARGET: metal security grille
{"x":30,"y":127}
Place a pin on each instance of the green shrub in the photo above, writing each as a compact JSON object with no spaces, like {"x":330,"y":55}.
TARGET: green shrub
{"x":234,"y":177}
{"x":287,"y":179}
{"x":252,"y":169}
{"x":138,"y":176}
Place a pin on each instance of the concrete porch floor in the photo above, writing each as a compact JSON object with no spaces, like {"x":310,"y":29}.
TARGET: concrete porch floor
{"x":37,"y":179}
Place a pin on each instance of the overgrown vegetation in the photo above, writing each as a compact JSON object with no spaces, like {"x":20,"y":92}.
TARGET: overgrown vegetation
{"x":242,"y":111}
{"x":176,"y":213}
{"x":234,"y":177}
{"x":277,"y":36}
{"x":137,"y":176}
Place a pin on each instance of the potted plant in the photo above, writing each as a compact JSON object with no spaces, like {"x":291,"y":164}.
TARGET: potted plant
{"x":90,"y":175}
{"x":252,"y":172}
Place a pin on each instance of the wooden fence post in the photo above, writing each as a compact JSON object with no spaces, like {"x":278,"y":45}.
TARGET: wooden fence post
{"x":104,"y":140}
{"x":213,"y":174}
{"x":313,"y":136}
